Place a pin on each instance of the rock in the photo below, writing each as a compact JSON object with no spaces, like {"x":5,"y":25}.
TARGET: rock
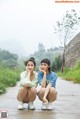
{"x":72,"y":54}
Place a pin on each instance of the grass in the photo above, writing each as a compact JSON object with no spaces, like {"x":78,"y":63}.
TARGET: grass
{"x":8,"y":78}
{"x":72,"y":74}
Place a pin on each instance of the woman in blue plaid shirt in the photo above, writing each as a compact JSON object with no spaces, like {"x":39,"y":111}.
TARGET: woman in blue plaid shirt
{"x":47,"y":79}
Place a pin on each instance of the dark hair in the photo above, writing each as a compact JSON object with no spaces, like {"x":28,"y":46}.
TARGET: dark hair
{"x":47,"y":61}
{"x":32,"y":59}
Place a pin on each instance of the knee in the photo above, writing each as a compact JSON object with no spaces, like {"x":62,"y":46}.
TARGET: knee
{"x":41,"y":93}
{"x":53,"y":91}
{"x":42,"y":90}
{"x":33,"y":90}
{"x":22,"y":88}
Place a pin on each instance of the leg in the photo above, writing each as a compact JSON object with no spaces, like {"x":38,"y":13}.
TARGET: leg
{"x":22,"y":93}
{"x":46,"y":94}
{"x":41,"y":93}
{"x":32,"y":94}
{"x":26,"y":100}
{"x":31,"y":97}
{"x":52,"y":95}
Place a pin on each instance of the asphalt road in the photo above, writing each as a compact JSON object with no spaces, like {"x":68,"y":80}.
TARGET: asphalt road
{"x":67,"y":105}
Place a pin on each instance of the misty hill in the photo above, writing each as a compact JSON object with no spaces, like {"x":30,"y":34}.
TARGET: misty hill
{"x":13,"y":46}
{"x":73,"y":51}
{"x":49,"y":53}
{"x":8,"y":59}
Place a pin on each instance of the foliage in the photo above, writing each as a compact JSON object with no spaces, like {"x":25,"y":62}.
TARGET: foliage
{"x":2,"y":88}
{"x":72,"y":74}
{"x":49,"y":53}
{"x":41,"y":47}
{"x":67,"y":26}
{"x":8,"y":59}
{"x":65,"y":29}
{"x":8,"y":78}
{"x":41,"y":53}
{"x":57,"y":63}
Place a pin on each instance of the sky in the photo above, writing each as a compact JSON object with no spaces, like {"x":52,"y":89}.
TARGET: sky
{"x":30,"y":22}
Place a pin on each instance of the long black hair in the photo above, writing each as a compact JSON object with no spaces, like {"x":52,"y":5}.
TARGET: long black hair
{"x":47,"y":61}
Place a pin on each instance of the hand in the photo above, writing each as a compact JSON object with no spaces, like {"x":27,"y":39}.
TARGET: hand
{"x":26,"y":85}
{"x":42,"y":70}
{"x":29,"y":71}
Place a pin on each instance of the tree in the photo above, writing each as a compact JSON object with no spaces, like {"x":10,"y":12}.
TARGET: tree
{"x":8,"y":59}
{"x":49,"y":53}
{"x":66,"y":28}
{"x":41,"y":47}
{"x":57,"y":63}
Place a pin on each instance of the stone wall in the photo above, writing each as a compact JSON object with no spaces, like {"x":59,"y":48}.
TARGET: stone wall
{"x":72,"y":54}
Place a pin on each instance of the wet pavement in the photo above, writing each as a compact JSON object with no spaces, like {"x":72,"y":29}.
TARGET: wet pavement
{"x":67,"y":105}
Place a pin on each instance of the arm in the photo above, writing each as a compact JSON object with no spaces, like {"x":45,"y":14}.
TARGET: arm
{"x":34,"y":83}
{"x":24,"y":79}
{"x":42,"y":79}
{"x":43,"y":84}
{"x":47,"y":90}
{"x":46,"y":93}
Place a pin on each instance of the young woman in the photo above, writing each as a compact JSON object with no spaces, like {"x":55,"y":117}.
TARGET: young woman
{"x":28,"y":83}
{"x":47,"y":79}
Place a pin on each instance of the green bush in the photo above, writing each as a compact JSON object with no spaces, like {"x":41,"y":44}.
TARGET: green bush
{"x":66,"y":69}
{"x":8,"y":78}
{"x":72,"y":74}
{"x":2,"y":88}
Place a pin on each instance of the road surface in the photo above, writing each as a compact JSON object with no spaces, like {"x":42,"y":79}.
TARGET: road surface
{"x":67,"y":105}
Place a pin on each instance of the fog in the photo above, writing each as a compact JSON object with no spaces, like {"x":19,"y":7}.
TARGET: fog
{"x":26,"y":23}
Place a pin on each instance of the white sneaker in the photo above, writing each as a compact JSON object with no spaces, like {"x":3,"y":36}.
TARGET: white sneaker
{"x":31,"y":106}
{"x":44,"y":106}
{"x":49,"y":106}
{"x":20,"y":106}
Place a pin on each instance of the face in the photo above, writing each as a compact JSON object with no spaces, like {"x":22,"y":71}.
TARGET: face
{"x":30,"y":66}
{"x":44,"y":66}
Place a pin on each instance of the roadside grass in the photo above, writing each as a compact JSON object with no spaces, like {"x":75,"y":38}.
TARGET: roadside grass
{"x":8,"y":78}
{"x":72,"y":74}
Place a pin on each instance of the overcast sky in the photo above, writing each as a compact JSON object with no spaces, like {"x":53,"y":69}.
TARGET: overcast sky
{"x":30,"y":22}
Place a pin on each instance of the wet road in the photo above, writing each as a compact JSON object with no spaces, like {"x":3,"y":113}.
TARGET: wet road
{"x":67,"y":105}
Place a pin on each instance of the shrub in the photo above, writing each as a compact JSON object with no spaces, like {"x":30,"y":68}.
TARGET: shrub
{"x":2,"y":88}
{"x":72,"y":74}
{"x":8,"y":78}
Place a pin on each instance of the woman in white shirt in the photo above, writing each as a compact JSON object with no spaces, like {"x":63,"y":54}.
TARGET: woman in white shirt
{"x":28,"y":83}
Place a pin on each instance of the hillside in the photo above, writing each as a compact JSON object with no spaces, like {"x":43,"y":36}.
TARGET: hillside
{"x":73,"y":51}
